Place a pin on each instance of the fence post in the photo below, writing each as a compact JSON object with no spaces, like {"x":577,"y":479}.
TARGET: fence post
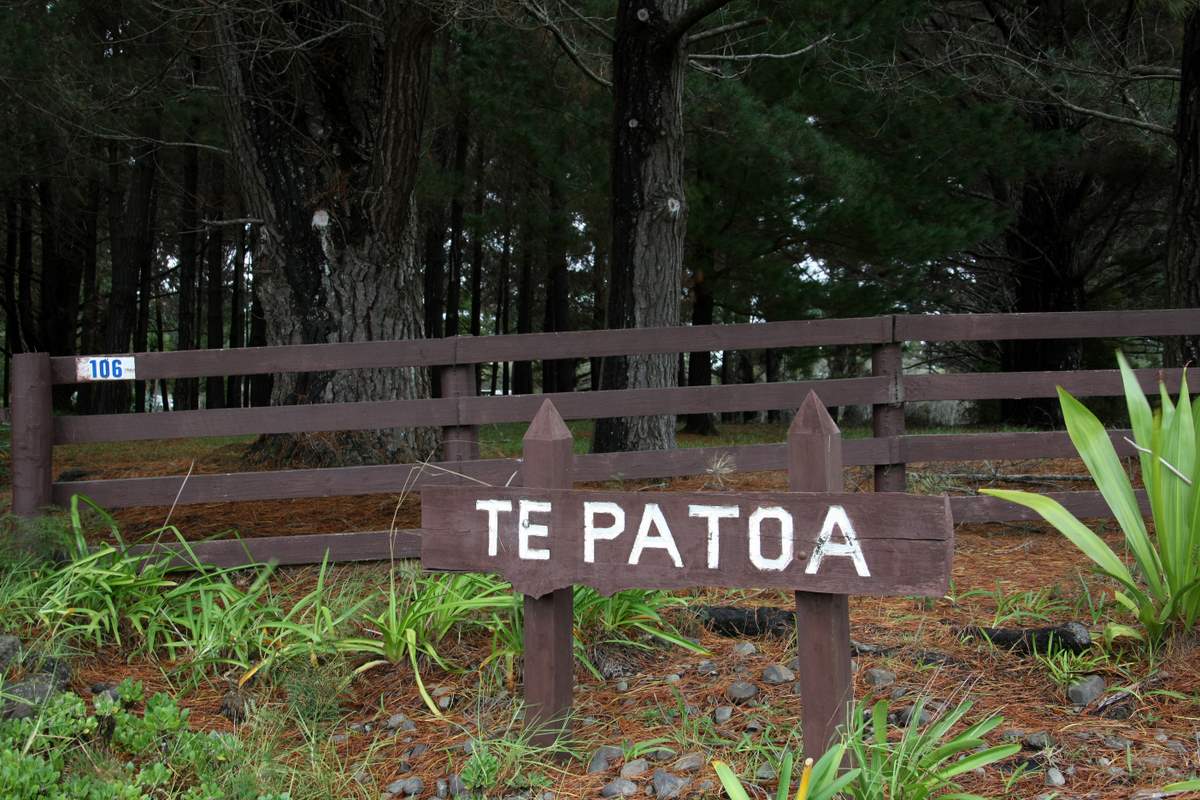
{"x":887,"y":419}
{"x":32,"y":433}
{"x":822,"y":620}
{"x":546,"y":463}
{"x":459,"y":442}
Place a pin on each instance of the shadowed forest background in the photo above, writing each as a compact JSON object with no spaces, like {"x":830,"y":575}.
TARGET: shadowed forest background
{"x":246,"y":173}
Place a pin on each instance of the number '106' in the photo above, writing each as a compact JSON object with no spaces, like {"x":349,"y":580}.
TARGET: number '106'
{"x":105,"y":368}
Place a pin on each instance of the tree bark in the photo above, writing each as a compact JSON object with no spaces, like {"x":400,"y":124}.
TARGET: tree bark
{"x":1183,"y":242}
{"x":11,"y":337}
{"x":501,"y":327}
{"x":237,"y":317}
{"x":189,"y":223}
{"x":649,"y":211}
{"x":454,"y":279}
{"x":558,"y":375}
{"x":334,"y":186}
{"x":522,"y":371}
{"x":260,"y":385}
{"x":700,"y":362}
{"x":25,"y":266}
{"x":214,"y":385}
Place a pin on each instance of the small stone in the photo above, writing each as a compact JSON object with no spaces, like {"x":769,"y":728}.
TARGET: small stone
{"x":755,"y":725}
{"x":879,"y":678}
{"x":399,"y":722}
{"x":1116,"y":742}
{"x":689,"y":762}
{"x":765,"y":772}
{"x":723,"y":714}
{"x":635,"y":768}
{"x":338,"y":738}
{"x":1085,"y":690}
{"x":1054,"y":777}
{"x":667,"y":785}
{"x":445,"y":701}
{"x":744,"y":649}
{"x":622,"y":685}
{"x":705,"y":787}
{"x":419,"y":749}
{"x":1012,"y":735}
{"x":10,"y":652}
{"x":904,"y":716}
{"x":1039,"y":740}
{"x":619,"y":788}
{"x":741,"y":691}
{"x":660,"y":754}
{"x":602,"y":757}
{"x":672,"y":678}
{"x":899,"y":693}
{"x":456,"y":786}
{"x":706,"y":668}
{"x":1177,"y":747}
{"x":777,"y":674}
{"x":357,"y":727}
{"x":441,"y":789}
{"x":23,"y":699}
{"x":406,"y":786}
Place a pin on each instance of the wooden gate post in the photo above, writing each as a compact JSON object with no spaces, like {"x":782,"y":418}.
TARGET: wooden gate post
{"x":459,"y":442}
{"x":32,"y":433}
{"x":822,"y":620}
{"x":887,"y":419}
{"x":547,"y":458}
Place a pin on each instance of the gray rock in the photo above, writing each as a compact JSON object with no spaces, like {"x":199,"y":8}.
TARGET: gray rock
{"x":1177,"y":747}
{"x":755,"y":726}
{"x":1040,"y":740}
{"x":10,"y":652}
{"x":903,"y":716}
{"x":56,"y":668}
{"x":1116,"y":742}
{"x":1084,"y":691}
{"x":706,"y":668}
{"x":619,"y":788}
{"x":441,"y":789}
{"x":1012,"y":735}
{"x":602,"y":757}
{"x":660,"y":754}
{"x":689,"y":762}
{"x":338,"y":738}
{"x":879,"y":678}
{"x":406,"y":786}
{"x":667,"y":785}
{"x":1054,"y":777}
{"x":723,"y":714}
{"x":635,"y":768}
{"x":744,"y":649}
{"x":418,"y":749}
{"x":672,"y":678}
{"x":741,"y":691}
{"x":456,"y":786}
{"x":622,"y":685}
{"x":777,"y":674}
{"x":357,"y":727}
{"x":445,"y":701}
{"x":705,"y":787}
{"x":765,"y":772}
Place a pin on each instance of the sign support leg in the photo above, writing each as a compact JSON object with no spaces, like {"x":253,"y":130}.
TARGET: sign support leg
{"x":822,"y":620}
{"x":549,"y":637}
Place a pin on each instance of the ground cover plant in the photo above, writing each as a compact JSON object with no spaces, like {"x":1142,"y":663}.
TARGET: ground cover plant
{"x":321,"y":710}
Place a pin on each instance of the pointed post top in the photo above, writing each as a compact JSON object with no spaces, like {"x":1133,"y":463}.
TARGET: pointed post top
{"x":547,"y":425}
{"x":812,"y":417}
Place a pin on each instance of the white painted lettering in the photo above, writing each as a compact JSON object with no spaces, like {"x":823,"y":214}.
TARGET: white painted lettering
{"x":784,"y":558}
{"x":493,"y":509}
{"x":527,"y":529}
{"x":714,"y":515}
{"x":592,"y":533}
{"x":652,"y":516}
{"x":848,"y":548}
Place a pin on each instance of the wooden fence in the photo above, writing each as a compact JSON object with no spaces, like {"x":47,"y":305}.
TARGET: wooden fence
{"x":35,"y":430}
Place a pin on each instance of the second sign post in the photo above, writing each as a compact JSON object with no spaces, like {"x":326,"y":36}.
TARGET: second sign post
{"x":814,"y":540}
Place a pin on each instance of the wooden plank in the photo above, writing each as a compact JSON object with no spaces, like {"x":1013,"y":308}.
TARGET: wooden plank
{"x":999,"y":446}
{"x":1056,"y":325}
{"x":822,"y":620}
{"x":887,"y":419}
{"x":294,"y":549}
{"x":32,"y":434}
{"x":675,"y":400}
{"x":280,"y":358}
{"x":285,"y":484}
{"x":906,"y":540}
{"x":459,"y":442}
{"x":680,"y":339}
{"x":374,"y":415}
{"x":1085,"y":505}
{"x":549,"y":659}
{"x":993,"y":385}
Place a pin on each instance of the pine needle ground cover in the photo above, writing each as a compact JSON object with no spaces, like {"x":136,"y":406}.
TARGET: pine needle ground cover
{"x":322,"y":725}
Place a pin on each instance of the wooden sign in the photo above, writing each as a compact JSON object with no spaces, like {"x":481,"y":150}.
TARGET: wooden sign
{"x":105,"y":368}
{"x":541,"y":540}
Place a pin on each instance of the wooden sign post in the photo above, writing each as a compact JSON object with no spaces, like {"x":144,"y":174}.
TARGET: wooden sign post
{"x":822,"y":544}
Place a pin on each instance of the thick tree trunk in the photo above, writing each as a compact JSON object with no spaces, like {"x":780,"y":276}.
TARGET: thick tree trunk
{"x":260,"y":385}
{"x":143,"y":393}
{"x":1183,"y":244}
{"x":454,"y":279}
{"x":649,"y":211}
{"x":522,"y":371}
{"x":11,"y":343}
{"x":501,"y":327}
{"x":131,"y":227}
{"x":214,"y":385}
{"x":476,"y":320}
{"x":90,"y":302}
{"x":237,"y":317}
{"x":599,"y":268}
{"x":64,"y":251}
{"x":25,"y":266}
{"x":336,"y":253}
{"x":558,"y":375}
{"x":700,"y":362}
{"x":189,"y":223}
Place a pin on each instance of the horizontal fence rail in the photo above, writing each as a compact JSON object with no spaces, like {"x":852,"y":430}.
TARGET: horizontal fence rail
{"x":462,"y":411}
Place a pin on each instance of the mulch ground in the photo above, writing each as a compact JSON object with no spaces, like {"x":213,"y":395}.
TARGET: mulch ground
{"x":1162,"y":714}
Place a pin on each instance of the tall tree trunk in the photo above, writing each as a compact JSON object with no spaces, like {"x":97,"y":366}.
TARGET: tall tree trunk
{"x":699,"y":369}
{"x":454,"y":279}
{"x":214,"y":385}
{"x":477,"y":251}
{"x":25,"y":267}
{"x":189,"y":224}
{"x":502,"y":299}
{"x":522,"y":371}
{"x":11,"y":344}
{"x":599,"y":267}
{"x":1183,"y":243}
{"x":260,"y":385}
{"x":90,"y":303}
{"x":141,"y":336}
{"x":558,"y":375}
{"x":161,"y":345}
{"x":727,"y":378}
{"x":337,"y":249}
{"x":237,"y":316}
{"x":649,"y":213}
{"x":132,"y":246}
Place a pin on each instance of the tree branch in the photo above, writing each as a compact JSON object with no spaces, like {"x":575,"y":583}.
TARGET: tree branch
{"x":760,"y":56}
{"x":543,"y":18}
{"x":692,"y":17}
{"x":730,"y":28}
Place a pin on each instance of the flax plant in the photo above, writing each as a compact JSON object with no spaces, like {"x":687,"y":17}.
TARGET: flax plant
{"x":1161,"y":589}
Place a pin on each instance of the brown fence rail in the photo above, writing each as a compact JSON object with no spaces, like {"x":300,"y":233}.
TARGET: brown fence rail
{"x":35,"y":430}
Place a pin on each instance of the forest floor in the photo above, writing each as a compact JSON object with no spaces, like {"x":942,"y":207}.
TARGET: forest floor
{"x":1144,"y":732}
